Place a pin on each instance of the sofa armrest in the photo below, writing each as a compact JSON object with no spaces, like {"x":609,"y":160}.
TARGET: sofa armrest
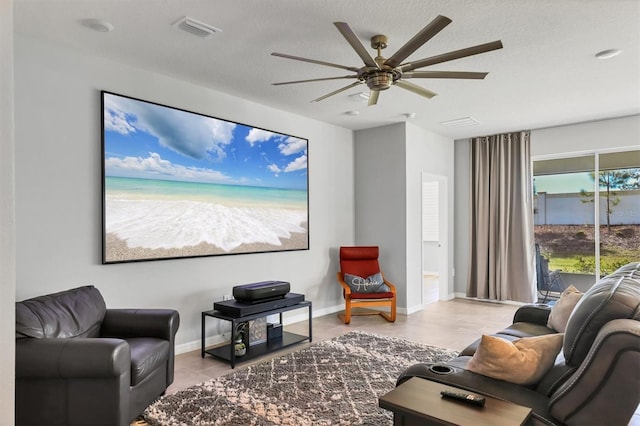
{"x":536,"y":314}
{"x":123,"y":323}
{"x":71,"y":358}
{"x":158,"y":323}
{"x":609,"y":372}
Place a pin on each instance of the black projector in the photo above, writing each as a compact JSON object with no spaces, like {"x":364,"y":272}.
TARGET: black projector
{"x":261,"y":292}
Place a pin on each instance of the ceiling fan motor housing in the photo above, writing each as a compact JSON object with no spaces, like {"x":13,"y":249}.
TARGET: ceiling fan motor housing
{"x":381,"y":79}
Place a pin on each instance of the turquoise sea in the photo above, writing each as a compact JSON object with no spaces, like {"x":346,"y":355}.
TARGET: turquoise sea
{"x":237,"y":195}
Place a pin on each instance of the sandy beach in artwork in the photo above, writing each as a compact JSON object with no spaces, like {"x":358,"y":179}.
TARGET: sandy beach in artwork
{"x":146,"y":219}
{"x":117,"y":249}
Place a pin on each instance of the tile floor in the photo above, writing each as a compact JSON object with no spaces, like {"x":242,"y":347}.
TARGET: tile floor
{"x":452,"y":324}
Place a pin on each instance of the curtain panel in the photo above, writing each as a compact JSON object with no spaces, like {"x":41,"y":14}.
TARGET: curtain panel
{"x":502,"y":258}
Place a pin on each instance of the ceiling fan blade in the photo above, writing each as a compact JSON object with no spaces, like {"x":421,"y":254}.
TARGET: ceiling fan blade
{"x":426,"y":34}
{"x":335,"y":92}
{"x":415,"y":89}
{"x":373,"y":97}
{"x":354,"y":41}
{"x":314,"y":79}
{"x":450,"y":56}
{"x":314,"y":61}
{"x":445,"y":74}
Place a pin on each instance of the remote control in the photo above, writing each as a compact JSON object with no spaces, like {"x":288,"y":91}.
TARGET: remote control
{"x":469,"y":398}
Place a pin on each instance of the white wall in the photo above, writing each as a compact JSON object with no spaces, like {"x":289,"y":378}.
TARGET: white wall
{"x":430,"y":153}
{"x":7,"y":218}
{"x":615,"y":134}
{"x":461,"y":216}
{"x":430,"y":256}
{"x":58,"y":192}
{"x":380,"y":199}
{"x":605,"y":135}
{"x":389,"y":162}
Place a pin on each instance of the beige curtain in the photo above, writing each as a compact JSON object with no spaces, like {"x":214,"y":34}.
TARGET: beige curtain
{"x":502,"y":262}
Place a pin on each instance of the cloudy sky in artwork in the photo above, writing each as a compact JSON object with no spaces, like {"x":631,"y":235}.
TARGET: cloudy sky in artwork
{"x":151,"y":141}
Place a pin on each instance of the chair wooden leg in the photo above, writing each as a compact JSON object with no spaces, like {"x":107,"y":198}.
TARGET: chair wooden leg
{"x":390,"y":317}
{"x":346,"y":317}
{"x":393,"y":312}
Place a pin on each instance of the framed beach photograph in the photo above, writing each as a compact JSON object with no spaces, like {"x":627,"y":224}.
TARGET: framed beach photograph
{"x":181,"y":184}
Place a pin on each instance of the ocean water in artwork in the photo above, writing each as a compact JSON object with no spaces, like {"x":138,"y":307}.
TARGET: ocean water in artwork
{"x":165,"y":214}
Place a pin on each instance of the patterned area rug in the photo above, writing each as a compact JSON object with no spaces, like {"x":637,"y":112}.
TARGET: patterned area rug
{"x":335,"y":382}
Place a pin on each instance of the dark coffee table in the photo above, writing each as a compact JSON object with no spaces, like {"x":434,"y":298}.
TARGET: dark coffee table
{"x":418,"y":402}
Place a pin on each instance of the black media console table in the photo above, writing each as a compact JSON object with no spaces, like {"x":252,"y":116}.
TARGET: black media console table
{"x":227,"y":352}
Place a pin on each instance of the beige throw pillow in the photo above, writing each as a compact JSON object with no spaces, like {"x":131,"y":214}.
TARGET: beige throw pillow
{"x":523,"y":361}
{"x":562,"y":309}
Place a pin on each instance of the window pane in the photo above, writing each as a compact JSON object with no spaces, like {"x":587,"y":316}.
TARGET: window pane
{"x":564,"y":219}
{"x":619,"y":212}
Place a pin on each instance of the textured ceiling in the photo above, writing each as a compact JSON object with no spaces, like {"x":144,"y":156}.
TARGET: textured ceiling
{"x":545,"y":75}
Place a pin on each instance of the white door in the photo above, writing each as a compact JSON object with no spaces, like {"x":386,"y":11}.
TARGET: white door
{"x":434,"y":238}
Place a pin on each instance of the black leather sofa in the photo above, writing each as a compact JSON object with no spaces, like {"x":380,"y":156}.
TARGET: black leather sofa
{"x":79,"y":363}
{"x":596,"y":377}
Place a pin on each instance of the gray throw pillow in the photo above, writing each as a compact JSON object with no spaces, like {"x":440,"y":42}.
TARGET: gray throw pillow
{"x":372,"y":284}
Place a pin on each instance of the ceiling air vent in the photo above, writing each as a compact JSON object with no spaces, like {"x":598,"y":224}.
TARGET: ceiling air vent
{"x":461,"y":122}
{"x":195,"y":27}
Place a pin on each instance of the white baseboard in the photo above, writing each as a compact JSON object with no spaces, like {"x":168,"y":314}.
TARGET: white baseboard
{"x":449,"y":296}
{"x":410,"y":310}
{"x":220,"y":338}
{"x":505,"y":302}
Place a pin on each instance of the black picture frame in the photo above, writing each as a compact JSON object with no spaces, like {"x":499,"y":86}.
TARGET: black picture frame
{"x":180,"y":184}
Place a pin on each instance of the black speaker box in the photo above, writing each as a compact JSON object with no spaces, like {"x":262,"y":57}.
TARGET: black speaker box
{"x":236,"y":309}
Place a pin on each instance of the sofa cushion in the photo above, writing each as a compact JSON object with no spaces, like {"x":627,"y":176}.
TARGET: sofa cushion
{"x":615,"y":296}
{"x":147,"y":355}
{"x":72,"y":313}
{"x":523,"y":361}
{"x":562,"y":309}
{"x":526,"y":329}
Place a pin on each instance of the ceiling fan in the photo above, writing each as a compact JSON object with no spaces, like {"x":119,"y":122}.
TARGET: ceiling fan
{"x":381,"y":73}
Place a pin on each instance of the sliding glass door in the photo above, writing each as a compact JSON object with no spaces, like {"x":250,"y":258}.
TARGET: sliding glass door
{"x":587,"y":215}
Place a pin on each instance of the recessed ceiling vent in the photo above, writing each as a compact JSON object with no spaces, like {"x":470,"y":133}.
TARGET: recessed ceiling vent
{"x":461,"y":122}
{"x":195,"y":27}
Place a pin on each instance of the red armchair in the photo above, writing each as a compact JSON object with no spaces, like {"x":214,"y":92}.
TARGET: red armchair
{"x":363,"y":284}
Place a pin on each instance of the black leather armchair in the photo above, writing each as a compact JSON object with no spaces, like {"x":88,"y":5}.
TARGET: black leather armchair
{"x":596,"y":376}
{"x":78,"y":363}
